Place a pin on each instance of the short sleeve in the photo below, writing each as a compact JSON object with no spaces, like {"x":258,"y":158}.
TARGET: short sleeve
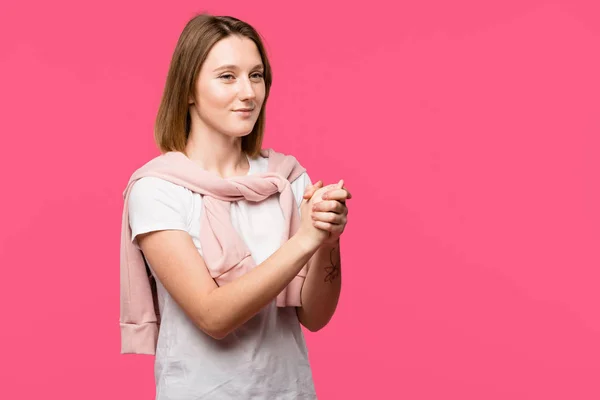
{"x":298,"y":187}
{"x":156,"y":204}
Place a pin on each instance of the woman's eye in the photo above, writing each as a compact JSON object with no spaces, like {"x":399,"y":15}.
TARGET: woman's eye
{"x":257,"y":75}
{"x":227,"y":77}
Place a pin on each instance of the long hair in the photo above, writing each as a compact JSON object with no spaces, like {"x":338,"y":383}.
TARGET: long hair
{"x":201,"y":33}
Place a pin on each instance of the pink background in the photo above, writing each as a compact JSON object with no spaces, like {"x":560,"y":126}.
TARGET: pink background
{"x":467,"y":131}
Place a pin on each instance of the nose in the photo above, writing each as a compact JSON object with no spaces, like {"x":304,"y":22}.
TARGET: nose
{"x":246,"y":90}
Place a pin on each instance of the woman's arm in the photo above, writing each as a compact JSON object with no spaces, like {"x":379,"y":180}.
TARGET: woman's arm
{"x":218,"y":310}
{"x":322,"y":286}
{"x":321,"y":289}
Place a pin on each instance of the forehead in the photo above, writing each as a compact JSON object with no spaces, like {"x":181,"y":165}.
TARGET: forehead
{"x":233,"y":50}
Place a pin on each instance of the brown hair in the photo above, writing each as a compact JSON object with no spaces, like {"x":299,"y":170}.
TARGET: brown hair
{"x":201,"y":33}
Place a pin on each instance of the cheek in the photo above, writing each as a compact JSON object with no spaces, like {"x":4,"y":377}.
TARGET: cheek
{"x":215,"y":96}
{"x":260,"y":94}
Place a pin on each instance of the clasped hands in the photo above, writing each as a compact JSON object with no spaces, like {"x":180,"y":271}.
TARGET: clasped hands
{"x":325,"y":209}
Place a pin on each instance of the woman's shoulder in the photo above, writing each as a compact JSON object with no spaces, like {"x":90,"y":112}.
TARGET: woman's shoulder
{"x":150,"y":185}
{"x":151,"y":191}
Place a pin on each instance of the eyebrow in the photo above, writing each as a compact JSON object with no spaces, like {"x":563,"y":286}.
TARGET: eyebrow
{"x":231,"y":66}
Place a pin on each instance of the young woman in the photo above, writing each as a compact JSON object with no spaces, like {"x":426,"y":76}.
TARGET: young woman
{"x":233,"y":333}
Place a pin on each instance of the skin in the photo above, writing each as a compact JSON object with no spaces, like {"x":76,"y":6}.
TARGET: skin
{"x":231,"y":80}
{"x":322,"y":286}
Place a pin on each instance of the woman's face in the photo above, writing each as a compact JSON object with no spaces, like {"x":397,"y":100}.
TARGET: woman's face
{"x":230,"y":89}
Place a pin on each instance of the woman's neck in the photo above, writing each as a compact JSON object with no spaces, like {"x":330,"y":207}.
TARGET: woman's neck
{"x":223,"y":157}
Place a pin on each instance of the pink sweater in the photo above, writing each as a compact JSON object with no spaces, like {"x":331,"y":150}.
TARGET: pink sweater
{"x":225,"y":253}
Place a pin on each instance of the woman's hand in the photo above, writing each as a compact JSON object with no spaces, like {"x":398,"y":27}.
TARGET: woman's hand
{"x":328,"y":210}
{"x":312,"y":235}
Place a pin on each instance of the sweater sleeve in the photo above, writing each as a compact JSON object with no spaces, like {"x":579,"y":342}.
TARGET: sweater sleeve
{"x":156,"y":204}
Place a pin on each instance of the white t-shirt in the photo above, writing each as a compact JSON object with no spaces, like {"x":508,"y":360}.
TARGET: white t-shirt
{"x":266,"y":358}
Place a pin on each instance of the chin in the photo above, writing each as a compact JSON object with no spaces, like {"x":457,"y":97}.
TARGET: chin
{"x":237,"y":133}
{"x":241,"y":131}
